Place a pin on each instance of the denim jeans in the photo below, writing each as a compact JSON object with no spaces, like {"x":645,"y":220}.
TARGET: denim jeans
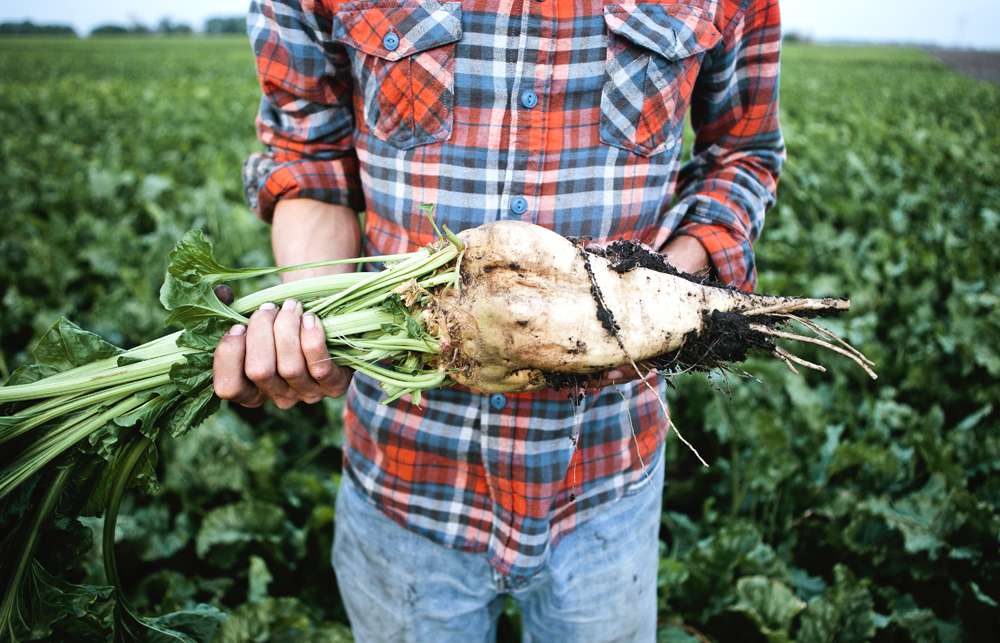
{"x":599,"y":584}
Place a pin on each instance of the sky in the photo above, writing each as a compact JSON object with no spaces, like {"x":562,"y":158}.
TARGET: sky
{"x":955,"y":23}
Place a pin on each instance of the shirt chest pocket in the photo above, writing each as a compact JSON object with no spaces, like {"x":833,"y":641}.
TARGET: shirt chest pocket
{"x":654,"y":55}
{"x":403,"y":60}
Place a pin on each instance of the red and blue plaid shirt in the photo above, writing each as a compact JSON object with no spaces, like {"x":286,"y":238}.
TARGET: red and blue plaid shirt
{"x":567,"y":114}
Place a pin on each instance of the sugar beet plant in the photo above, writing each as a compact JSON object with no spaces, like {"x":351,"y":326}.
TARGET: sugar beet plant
{"x":508,"y":306}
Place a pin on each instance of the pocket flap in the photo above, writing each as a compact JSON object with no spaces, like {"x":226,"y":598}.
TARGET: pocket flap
{"x":673,"y":31}
{"x":418,"y":25}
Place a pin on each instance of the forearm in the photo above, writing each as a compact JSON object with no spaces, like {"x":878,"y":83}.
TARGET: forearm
{"x":281,"y":354}
{"x":306,"y":119}
{"x":305,"y":231}
{"x":686,"y":253}
{"x":732,"y":178}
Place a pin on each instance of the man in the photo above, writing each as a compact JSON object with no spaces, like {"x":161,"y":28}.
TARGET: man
{"x":566,"y":114}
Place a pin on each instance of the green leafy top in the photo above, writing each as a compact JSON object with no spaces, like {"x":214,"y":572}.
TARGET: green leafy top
{"x":63,"y":347}
{"x":192,"y":262}
{"x":193,"y":273}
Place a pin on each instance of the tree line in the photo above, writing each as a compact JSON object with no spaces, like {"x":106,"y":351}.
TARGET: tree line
{"x":230,"y":25}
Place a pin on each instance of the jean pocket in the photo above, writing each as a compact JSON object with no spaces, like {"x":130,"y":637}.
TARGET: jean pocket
{"x":654,"y":55}
{"x":403,"y":59}
{"x":650,"y":476}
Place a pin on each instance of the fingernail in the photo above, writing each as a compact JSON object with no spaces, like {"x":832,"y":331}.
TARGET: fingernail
{"x":615,"y":375}
{"x":238,"y":329}
{"x":267,"y":306}
{"x":308,"y":321}
{"x":290,"y":304}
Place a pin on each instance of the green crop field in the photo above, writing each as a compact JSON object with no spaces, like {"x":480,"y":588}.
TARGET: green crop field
{"x":835,"y":508}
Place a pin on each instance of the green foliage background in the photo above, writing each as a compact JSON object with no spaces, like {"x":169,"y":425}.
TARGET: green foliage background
{"x":835,"y":509}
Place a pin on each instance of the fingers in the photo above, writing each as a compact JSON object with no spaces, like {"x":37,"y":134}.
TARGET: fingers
{"x":619,"y":375}
{"x":261,"y":364}
{"x":231,"y":383}
{"x":303,"y":360}
{"x":332,"y":380}
{"x":595,"y":246}
{"x":290,"y":363}
{"x":280,"y":356}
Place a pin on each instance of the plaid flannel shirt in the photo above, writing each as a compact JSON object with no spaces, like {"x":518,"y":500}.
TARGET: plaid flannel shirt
{"x":566,"y":114}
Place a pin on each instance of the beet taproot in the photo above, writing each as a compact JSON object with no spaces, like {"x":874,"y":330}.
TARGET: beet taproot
{"x":532,"y":305}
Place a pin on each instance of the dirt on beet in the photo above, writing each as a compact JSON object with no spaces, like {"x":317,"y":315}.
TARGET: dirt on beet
{"x":725,"y":340}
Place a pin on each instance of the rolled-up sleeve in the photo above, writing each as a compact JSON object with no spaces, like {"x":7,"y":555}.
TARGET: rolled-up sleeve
{"x":306,"y":115}
{"x":731,"y":180}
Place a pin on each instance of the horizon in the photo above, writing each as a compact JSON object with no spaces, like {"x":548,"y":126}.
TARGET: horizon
{"x":963,"y":24}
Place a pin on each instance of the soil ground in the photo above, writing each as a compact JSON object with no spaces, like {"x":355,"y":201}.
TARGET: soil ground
{"x":982,"y":65}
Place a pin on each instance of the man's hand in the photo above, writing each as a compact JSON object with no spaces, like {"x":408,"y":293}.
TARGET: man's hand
{"x":619,"y":375}
{"x":686,"y":254}
{"x":281,"y":355}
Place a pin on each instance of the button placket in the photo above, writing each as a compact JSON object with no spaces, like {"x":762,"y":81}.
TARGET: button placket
{"x":535,"y":84}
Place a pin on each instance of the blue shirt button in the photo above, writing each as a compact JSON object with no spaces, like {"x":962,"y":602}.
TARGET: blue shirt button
{"x":498,"y":401}
{"x":391,"y":41}
{"x":529,"y":99}
{"x":519,"y":205}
